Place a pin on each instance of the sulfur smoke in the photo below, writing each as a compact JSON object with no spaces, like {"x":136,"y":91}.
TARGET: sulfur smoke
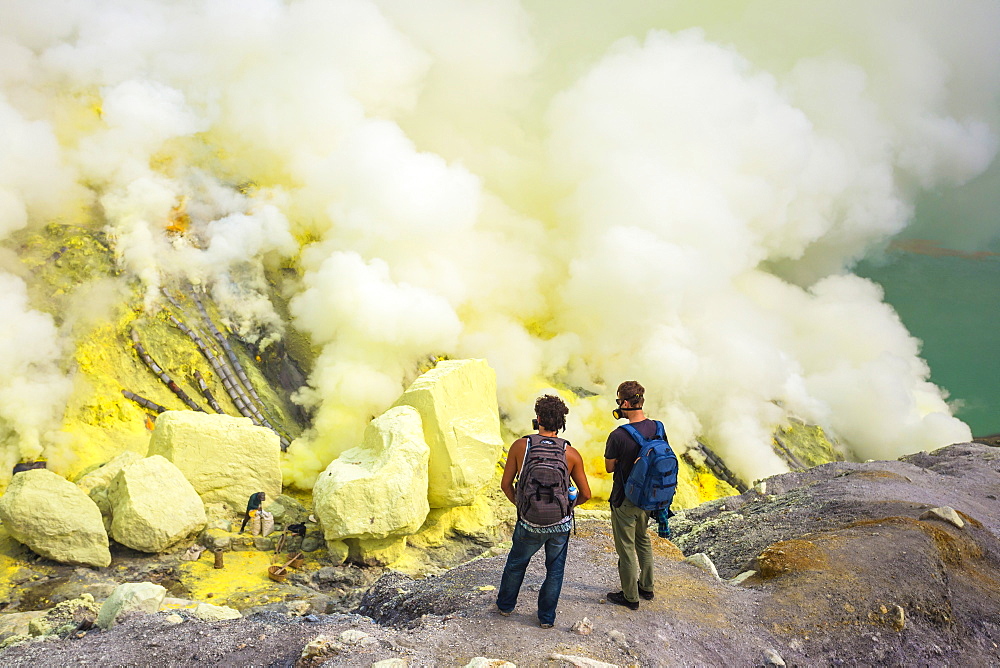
{"x":582,"y":196}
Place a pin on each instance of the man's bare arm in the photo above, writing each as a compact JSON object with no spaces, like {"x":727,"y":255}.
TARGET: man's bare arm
{"x":510,"y":469}
{"x":609,"y":465}
{"x":578,"y":474}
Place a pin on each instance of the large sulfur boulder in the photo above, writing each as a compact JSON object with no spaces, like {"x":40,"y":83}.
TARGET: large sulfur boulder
{"x":153,"y":506}
{"x":378,"y":489}
{"x":54,"y":518}
{"x":226,"y":458}
{"x":457,"y":401}
{"x":96,"y":483}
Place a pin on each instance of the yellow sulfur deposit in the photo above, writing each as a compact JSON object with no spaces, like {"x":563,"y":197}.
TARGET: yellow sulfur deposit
{"x":241,"y":583}
{"x":458,"y":408}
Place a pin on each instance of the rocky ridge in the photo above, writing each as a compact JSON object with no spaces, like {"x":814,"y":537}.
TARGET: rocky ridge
{"x":852,"y":563}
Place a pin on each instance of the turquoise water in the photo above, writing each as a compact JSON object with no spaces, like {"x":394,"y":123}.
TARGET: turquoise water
{"x":952,"y":304}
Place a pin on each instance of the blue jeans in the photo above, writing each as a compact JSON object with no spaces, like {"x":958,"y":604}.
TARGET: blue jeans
{"x":526,"y":543}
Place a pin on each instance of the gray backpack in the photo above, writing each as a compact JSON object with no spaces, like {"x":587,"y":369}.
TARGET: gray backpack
{"x":542,"y":491}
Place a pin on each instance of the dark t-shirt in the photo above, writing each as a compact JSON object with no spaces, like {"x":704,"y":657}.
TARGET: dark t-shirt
{"x":622,"y":447}
{"x":254,"y":502}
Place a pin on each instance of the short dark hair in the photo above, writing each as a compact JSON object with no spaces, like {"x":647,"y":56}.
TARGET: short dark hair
{"x":551,"y":412}
{"x":632,"y":392}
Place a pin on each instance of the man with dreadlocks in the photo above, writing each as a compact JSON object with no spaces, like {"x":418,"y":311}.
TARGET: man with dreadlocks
{"x":543,"y":465}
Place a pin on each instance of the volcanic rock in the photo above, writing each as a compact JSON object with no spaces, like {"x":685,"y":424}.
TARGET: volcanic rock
{"x":378,"y":490}
{"x":55,"y":518}
{"x":457,"y":401}
{"x":154,"y":506}
{"x":96,"y":483}
{"x":225,"y":458}
{"x":129,"y":598}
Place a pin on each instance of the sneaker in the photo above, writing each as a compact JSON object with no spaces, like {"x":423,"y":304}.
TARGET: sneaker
{"x":544,"y":625}
{"x":646,"y":593}
{"x":505,"y":613}
{"x":618,"y":598}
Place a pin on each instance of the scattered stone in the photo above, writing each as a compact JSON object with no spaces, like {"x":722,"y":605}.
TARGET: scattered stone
{"x":298,"y":608}
{"x":946,"y":513}
{"x":193,"y":553}
{"x":225,"y":458}
{"x":702,"y":561}
{"x":173,"y":618}
{"x":317,"y":651}
{"x":391,"y":663}
{"x":55,"y":518}
{"x":128,"y":598}
{"x":356,"y":637}
{"x":311,"y":543}
{"x":66,"y":618}
{"x":19,"y":639}
{"x":207,"y":612}
{"x":483,"y":662}
{"x":286,"y":510}
{"x":581,"y":661}
{"x":619,"y":638}
{"x":772,"y":658}
{"x":350,"y":496}
{"x":263,"y":544}
{"x":897,"y":618}
{"x":741,"y":577}
{"x":457,"y":402}
{"x":16,"y":623}
{"x":216,"y":539}
{"x":583,"y":627}
{"x":154,"y":506}
{"x":241,"y":543}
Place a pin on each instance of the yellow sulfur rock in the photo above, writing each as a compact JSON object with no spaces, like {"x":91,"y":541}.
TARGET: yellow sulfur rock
{"x":153,"y":506}
{"x":55,"y":518}
{"x":375,"y":552}
{"x":379,"y":489}
{"x":97,"y":482}
{"x":225,"y":458}
{"x":697,"y":484}
{"x":457,"y":401}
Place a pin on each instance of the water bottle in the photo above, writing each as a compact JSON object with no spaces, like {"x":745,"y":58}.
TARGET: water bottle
{"x":572,"y":493}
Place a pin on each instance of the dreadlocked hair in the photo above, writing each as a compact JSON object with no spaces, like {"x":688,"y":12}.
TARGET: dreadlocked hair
{"x":551,"y":412}
{"x":632,"y":392}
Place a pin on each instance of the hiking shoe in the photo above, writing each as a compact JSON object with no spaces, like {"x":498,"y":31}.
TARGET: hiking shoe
{"x":646,"y":593}
{"x":618,"y":598}
{"x":505,"y":613}
{"x":544,"y":625}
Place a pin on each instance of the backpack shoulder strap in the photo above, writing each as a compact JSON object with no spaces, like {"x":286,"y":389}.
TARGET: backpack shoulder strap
{"x":661,"y":432}
{"x":634,"y":433}
{"x":527,"y":446}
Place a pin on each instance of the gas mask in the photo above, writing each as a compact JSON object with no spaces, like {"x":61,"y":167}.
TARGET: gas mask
{"x":620,"y":413}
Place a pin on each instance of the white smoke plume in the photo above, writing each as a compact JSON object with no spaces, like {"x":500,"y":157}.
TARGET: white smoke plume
{"x":580,"y":192}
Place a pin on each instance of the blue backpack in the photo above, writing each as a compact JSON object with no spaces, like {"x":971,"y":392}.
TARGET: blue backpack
{"x":653,"y":480}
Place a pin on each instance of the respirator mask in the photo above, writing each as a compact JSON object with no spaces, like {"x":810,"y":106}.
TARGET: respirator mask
{"x":620,"y":413}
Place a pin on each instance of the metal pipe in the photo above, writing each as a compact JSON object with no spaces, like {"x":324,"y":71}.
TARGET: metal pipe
{"x":207,"y":393}
{"x":164,"y":378}
{"x":144,"y":402}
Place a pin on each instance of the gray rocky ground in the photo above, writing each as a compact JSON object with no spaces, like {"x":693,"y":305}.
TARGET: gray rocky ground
{"x":847,"y":573}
